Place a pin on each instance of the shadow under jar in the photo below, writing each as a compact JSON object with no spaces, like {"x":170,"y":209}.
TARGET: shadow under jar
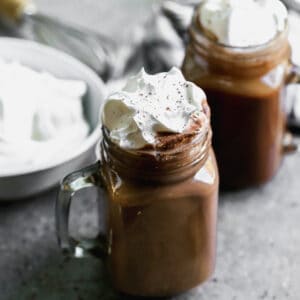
{"x":162,"y":210}
{"x":245,"y":91}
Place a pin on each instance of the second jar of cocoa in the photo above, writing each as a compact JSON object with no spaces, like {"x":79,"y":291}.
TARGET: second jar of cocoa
{"x":245,"y":88}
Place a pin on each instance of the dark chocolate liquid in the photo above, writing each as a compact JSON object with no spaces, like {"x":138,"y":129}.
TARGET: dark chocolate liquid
{"x":162,"y":216}
{"x":247,"y":136}
{"x":167,"y":244}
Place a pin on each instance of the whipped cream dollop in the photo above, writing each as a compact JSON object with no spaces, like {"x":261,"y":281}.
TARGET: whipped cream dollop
{"x":151,"y":104}
{"x":41,"y":118}
{"x":243,"y":23}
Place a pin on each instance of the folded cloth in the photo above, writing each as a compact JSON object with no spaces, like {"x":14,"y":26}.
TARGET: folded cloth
{"x":163,"y":46}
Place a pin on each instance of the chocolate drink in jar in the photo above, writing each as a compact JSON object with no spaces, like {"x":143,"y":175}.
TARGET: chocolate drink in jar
{"x":243,"y":66}
{"x":160,"y":180}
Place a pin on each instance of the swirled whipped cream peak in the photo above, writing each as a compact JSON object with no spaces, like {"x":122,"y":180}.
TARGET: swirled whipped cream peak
{"x":150,"y":105}
{"x":242,"y":23}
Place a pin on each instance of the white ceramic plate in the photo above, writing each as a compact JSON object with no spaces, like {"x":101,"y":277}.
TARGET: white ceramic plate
{"x":42,"y":58}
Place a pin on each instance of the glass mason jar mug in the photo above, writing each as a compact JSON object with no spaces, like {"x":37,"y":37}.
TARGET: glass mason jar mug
{"x":162,"y":210}
{"x":245,"y":88}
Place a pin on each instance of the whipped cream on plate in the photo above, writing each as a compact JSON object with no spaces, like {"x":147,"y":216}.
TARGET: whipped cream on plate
{"x":151,"y":104}
{"x":243,"y":23}
{"x":41,"y":118}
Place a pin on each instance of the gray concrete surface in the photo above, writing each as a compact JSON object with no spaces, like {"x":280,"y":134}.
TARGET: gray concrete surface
{"x":258,"y":230}
{"x":258,"y":248}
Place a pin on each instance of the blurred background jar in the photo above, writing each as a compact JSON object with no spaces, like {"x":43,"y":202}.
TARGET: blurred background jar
{"x":244,"y":87}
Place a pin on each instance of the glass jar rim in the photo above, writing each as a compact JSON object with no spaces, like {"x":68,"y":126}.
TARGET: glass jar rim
{"x":239,"y":49}
{"x":255,"y":47}
{"x":197,"y":137}
{"x":152,"y":164}
{"x":242,"y":62}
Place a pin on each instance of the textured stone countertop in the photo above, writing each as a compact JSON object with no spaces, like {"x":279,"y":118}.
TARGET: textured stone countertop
{"x":258,"y":229}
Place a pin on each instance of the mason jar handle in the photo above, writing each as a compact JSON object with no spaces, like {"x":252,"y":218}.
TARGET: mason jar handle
{"x":84,"y":178}
{"x":289,"y":143}
{"x":293,"y":75}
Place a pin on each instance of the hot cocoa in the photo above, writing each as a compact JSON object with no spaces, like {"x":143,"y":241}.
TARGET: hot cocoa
{"x":244,"y":87}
